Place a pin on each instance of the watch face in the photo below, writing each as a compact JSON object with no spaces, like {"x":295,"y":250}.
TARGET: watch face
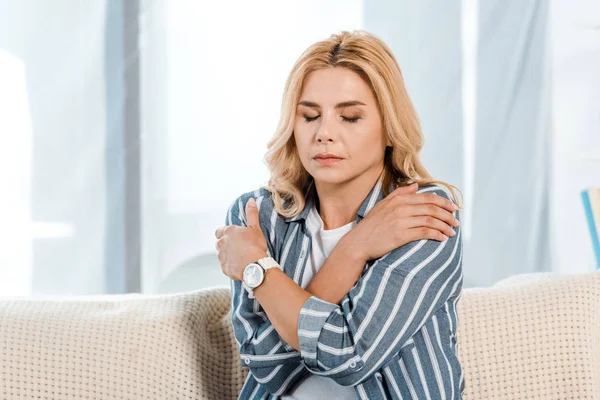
{"x":253,"y":275}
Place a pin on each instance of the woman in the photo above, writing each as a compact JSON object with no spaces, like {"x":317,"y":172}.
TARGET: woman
{"x":346,"y":268}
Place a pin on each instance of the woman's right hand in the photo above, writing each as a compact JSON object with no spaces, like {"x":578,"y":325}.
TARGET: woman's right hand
{"x":402,"y":217}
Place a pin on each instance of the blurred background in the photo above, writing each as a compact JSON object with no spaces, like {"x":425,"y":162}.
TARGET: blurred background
{"x":128,"y":127}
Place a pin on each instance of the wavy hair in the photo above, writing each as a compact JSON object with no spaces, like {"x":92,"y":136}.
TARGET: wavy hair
{"x":369,"y":57}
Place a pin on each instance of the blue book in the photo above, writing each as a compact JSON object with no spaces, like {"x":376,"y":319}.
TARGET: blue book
{"x":590,"y":199}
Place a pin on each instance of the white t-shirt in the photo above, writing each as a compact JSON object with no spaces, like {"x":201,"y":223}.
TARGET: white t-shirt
{"x":323,"y":243}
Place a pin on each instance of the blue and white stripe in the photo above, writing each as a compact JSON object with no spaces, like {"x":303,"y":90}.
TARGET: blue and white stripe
{"x":393,"y":336}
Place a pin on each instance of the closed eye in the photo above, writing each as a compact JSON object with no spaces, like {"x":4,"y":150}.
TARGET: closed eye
{"x":311,"y":119}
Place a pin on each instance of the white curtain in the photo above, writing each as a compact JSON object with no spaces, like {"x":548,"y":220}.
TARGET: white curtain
{"x":127,"y":128}
{"x":431,"y":63}
{"x":510,"y":222}
{"x":476,"y":72}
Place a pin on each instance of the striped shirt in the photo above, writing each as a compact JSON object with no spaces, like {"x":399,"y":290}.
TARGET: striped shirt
{"x":393,"y":335}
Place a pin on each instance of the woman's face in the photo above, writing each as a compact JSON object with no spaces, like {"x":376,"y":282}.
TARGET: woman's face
{"x":338,"y":114}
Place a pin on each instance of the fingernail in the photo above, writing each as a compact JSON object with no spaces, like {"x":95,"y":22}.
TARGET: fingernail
{"x":453,"y":231}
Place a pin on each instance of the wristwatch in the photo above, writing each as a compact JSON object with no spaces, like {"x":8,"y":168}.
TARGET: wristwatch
{"x":254,"y":273}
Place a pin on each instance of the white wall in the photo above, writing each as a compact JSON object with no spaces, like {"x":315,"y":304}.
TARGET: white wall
{"x":575,"y":32}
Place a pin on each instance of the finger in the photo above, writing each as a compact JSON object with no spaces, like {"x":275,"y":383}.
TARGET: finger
{"x":221,"y":258}
{"x":405,"y":189}
{"x":432,"y":223}
{"x":252,"y":214}
{"x":423,"y":233}
{"x":430,"y":198}
{"x":431,"y":210}
{"x":220,"y":232}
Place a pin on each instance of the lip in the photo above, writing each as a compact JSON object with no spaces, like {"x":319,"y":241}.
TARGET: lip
{"x":327,"y":158}
{"x":328,"y":161}
{"x":326,"y":155}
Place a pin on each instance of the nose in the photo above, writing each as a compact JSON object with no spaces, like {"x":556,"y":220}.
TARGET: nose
{"x":325,"y":132}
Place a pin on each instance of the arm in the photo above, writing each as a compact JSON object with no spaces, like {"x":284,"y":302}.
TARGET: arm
{"x":390,"y":303}
{"x":380,"y":314}
{"x":282,"y":298}
{"x":273,"y":363}
{"x":262,"y":349}
{"x":338,"y":274}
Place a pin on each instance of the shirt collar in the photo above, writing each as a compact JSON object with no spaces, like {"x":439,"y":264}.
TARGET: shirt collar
{"x":374,"y":196}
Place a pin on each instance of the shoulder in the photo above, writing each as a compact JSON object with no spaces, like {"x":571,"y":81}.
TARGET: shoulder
{"x":259,"y":194}
{"x":236,"y":213}
{"x":439,"y":190}
{"x":435,"y":188}
{"x":419,"y":253}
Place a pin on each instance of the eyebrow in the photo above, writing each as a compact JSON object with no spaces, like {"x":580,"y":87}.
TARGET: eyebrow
{"x":339,"y":105}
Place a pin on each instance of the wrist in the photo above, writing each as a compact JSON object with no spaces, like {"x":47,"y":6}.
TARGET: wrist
{"x":256,"y":255}
{"x":352,"y":248}
{"x":262,"y":264}
{"x":268,"y":280}
{"x":340,"y":272}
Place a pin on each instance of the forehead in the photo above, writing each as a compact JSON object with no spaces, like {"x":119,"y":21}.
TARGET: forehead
{"x":334,"y":85}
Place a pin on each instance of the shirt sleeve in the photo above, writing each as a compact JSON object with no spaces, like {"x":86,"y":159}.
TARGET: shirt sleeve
{"x":273,"y":362}
{"x":391,"y":301}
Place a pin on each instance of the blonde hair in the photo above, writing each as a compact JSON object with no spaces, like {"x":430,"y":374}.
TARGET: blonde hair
{"x":373,"y":61}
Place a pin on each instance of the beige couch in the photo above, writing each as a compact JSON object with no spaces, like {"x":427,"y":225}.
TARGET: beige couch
{"x":533,"y":336}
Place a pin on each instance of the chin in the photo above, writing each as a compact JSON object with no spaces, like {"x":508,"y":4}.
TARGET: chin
{"x":330,"y":176}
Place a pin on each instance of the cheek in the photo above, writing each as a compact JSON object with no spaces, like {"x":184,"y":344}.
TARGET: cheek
{"x":302,"y":139}
{"x":361,"y":137}
{"x":366,"y":143}
{"x":372,"y":135}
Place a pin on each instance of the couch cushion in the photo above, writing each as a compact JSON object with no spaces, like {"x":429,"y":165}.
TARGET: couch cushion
{"x":533,"y":336}
{"x":172,"y":346}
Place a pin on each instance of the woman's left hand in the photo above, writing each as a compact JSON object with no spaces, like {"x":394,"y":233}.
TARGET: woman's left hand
{"x":238,"y":246}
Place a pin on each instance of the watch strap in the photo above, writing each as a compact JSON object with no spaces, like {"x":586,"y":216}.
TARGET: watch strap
{"x":249,"y":290}
{"x":268,"y":263}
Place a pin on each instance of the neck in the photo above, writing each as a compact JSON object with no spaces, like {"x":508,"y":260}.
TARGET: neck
{"x":338,"y":203}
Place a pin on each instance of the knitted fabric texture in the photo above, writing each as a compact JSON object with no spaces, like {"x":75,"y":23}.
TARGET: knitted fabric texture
{"x":151,"y":347}
{"x":533,"y":336}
